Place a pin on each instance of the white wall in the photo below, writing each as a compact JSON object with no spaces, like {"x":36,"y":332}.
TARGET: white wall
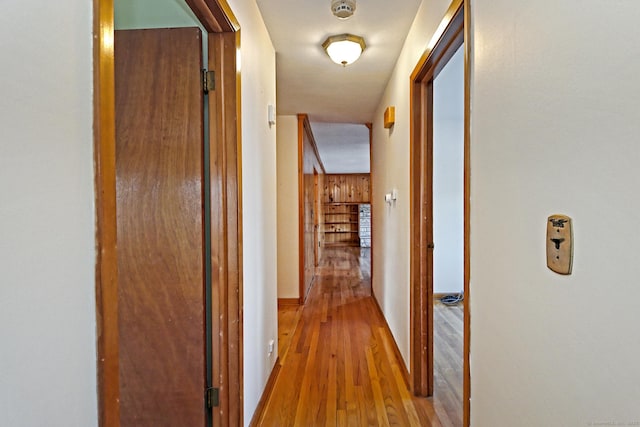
{"x":288,"y":209}
{"x":390,"y":169}
{"x":258,"y":76}
{"x":448,"y":177}
{"x":47,"y":255}
{"x":555,"y":125}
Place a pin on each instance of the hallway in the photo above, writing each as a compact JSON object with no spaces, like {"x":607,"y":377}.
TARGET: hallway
{"x":341,"y":367}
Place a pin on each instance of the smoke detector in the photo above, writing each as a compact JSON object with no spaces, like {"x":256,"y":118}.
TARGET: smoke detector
{"x":343,"y":9}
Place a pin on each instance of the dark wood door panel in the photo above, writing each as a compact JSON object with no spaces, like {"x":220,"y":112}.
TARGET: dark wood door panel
{"x":159,"y":167}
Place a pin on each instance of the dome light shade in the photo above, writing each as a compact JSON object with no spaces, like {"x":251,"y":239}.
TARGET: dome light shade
{"x":344,"y":49}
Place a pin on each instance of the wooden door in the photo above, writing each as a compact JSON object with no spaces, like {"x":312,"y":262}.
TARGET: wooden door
{"x":159,"y":168}
{"x":317,"y":210}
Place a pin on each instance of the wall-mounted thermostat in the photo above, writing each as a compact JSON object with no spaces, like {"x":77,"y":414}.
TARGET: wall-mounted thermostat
{"x":559,"y":244}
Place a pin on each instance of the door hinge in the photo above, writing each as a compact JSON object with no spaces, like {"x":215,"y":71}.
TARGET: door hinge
{"x":212,"y":397}
{"x":208,"y":80}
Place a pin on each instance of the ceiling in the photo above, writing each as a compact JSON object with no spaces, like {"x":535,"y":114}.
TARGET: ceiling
{"x":343,"y":147}
{"x":309,"y":82}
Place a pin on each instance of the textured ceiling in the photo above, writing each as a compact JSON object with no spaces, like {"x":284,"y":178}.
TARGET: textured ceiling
{"x":309,"y":82}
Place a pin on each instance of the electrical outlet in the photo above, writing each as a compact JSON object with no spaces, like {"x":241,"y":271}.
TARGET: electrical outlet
{"x":271,"y":344}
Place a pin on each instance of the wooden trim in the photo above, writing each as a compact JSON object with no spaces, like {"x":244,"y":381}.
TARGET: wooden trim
{"x":288,"y":302}
{"x":452,"y":32}
{"x":304,"y":130}
{"x":427,"y":194}
{"x":234,"y":74}
{"x":215,"y":15}
{"x":257,"y":420}
{"x":312,"y":140}
{"x":226,"y":227}
{"x":224,"y":16}
{"x":317,"y":205}
{"x":420,"y":232}
{"x":396,"y":350}
{"x":205,"y":16}
{"x":466,"y":376}
{"x":104,"y":148}
{"x":438,"y":52}
{"x":369,"y":126}
{"x":301,"y":292}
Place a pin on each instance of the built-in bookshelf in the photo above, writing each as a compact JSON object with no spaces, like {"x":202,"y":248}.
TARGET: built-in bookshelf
{"x":341,"y":224}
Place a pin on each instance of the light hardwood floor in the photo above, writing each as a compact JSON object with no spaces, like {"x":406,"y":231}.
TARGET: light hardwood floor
{"x":337,"y":366}
{"x":447,"y":363}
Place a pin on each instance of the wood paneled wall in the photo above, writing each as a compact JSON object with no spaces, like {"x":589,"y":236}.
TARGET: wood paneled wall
{"x":347,"y":188}
{"x":311,"y":181}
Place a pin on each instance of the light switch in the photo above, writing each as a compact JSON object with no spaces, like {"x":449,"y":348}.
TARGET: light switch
{"x":559,"y":244}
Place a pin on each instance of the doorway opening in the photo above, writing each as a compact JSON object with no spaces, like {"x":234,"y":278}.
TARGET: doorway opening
{"x":222,"y":35}
{"x":451,"y":37}
{"x":448,"y":237}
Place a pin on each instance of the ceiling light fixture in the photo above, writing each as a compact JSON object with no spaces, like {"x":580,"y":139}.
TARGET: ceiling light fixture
{"x":343,"y":9}
{"x":344,"y":49}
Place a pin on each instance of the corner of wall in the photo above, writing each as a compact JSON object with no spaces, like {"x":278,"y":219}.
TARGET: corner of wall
{"x":288,"y":208}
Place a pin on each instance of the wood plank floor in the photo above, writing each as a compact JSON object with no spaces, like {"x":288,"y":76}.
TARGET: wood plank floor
{"x":340,"y":368}
{"x":447,"y":363}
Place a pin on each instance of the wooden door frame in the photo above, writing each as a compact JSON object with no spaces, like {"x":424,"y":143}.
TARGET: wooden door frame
{"x":226,"y":229}
{"x":301,"y":265}
{"x":451,"y":34}
{"x":369,"y":126}
{"x":304,"y":129}
{"x":316,"y":218}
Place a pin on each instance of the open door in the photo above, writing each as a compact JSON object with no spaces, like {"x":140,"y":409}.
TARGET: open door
{"x":452,"y":33}
{"x":159,"y":187}
{"x":152,"y":289}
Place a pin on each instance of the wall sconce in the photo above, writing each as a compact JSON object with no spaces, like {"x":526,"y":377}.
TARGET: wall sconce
{"x":389,"y":117}
{"x":344,"y":49}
